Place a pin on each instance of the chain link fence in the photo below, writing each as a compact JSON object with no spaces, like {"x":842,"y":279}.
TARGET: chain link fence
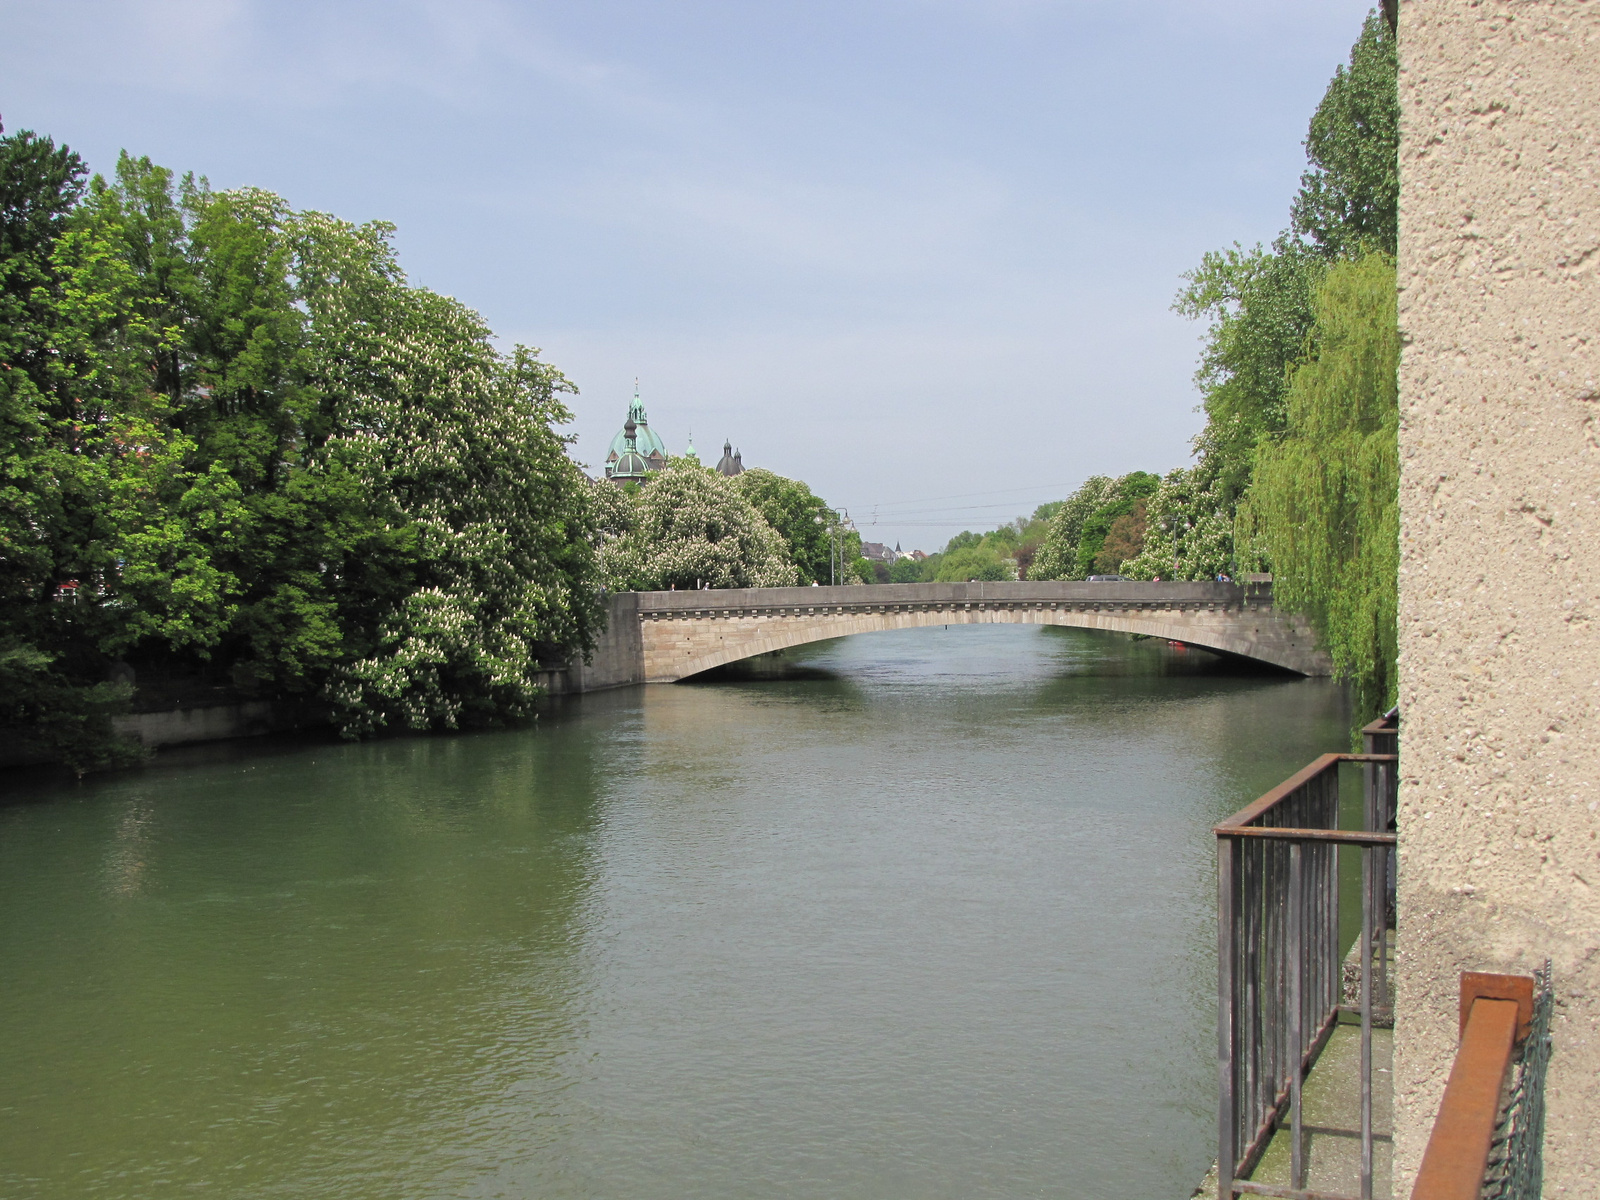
{"x":1516,"y":1160}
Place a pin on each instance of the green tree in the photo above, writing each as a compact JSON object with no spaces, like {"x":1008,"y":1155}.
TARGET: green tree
{"x":67,"y":722}
{"x":1057,"y":556}
{"x":1129,"y":492}
{"x":1124,"y":540}
{"x":40,"y":183}
{"x":63,"y":455}
{"x":1031,"y":533}
{"x":1188,"y":534}
{"x":160,"y":516}
{"x":852,"y":567}
{"x":1327,"y":491}
{"x":905,"y":570}
{"x":1298,"y":375}
{"x":1258,"y":302}
{"x":1349,"y":198}
{"x":864,"y":570}
{"x":799,"y":516}
{"x":971,"y":562}
{"x":498,"y":570}
{"x":691,"y":527}
{"x":241,"y":443}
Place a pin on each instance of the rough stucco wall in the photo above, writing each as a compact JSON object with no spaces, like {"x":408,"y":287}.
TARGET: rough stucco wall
{"x":1500,"y":565}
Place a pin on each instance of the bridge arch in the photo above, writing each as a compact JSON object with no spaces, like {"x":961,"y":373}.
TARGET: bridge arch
{"x":686,"y":633}
{"x":788,"y":634}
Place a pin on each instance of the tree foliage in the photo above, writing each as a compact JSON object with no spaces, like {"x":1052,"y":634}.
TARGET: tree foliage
{"x":1326,"y":492}
{"x":66,"y":721}
{"x":1076,"y":545}
{"x":906,"y":570}
{"x":1187,"y":532}
{"x":803,"y":519}
{"x":978,"y":561}
{"x":1295,"y":473}
{"x":1124,"y":504}
{"x":1258,"y":306}
{"x":1258,"y":302}
{"x":1124,"y":540}
{"x":690,"y":527}
{"x":240,"y":447}
{"x":1349,"y":198}
{"x":1057,"y":557}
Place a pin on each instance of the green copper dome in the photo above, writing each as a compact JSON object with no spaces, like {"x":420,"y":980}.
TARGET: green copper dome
{"x":630,"y":465}
{"x":647,"y":444}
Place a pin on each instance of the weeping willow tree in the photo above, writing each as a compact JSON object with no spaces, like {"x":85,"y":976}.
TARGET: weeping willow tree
{"x":1326,"y":492}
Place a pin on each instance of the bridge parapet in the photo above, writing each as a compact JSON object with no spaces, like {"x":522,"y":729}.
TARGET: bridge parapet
{"x":862,"y":597}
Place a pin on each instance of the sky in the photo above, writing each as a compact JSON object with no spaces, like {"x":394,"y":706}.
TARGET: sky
{"x":918,"y":253}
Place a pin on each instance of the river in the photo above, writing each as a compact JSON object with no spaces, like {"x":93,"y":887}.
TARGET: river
{"x":932,"y":916}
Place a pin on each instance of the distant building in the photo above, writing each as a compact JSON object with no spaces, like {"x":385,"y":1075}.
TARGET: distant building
{"x":637,"y":449}
{"x":877,"y":552}
{"x":629,"y":466}
{"x":918,"y":556}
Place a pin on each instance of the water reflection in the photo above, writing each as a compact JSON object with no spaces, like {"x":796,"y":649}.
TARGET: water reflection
{"x":925,"y":913}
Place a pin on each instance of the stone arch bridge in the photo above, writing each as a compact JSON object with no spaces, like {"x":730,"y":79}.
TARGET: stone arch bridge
{"x":661,"y":637}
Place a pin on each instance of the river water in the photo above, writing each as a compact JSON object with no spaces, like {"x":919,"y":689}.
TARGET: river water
{"x":931,"y":917}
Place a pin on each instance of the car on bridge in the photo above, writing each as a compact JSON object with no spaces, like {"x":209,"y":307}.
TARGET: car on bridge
{"x":1109,"y":579}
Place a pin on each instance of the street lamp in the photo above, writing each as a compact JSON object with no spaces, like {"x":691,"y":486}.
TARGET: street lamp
{"x":839,"y":525}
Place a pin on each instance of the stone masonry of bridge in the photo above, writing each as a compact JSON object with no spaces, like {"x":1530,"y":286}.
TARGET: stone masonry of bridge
{"x":661,"y":637}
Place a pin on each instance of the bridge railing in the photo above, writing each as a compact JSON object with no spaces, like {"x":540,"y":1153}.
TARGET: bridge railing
{"x":1131,"y":592}
{"x":1280,"y":970}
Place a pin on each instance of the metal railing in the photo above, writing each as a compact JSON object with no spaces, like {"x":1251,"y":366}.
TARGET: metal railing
{"x":1486,"y":1139}
{"x":1280,"y":961}
{"x":1380,"y":811}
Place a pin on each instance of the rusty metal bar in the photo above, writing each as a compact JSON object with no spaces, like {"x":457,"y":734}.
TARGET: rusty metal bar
{"x":1458,"y":1150}
{"x":1297,"y":1166}
{"x":1346,"y":837}
{"x":1227,"y":1105}
{"x":1382,"y":794}
{"x":1294,"y":783}
{"x":1366,"y":1023}
{"x":1383,"y":737}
